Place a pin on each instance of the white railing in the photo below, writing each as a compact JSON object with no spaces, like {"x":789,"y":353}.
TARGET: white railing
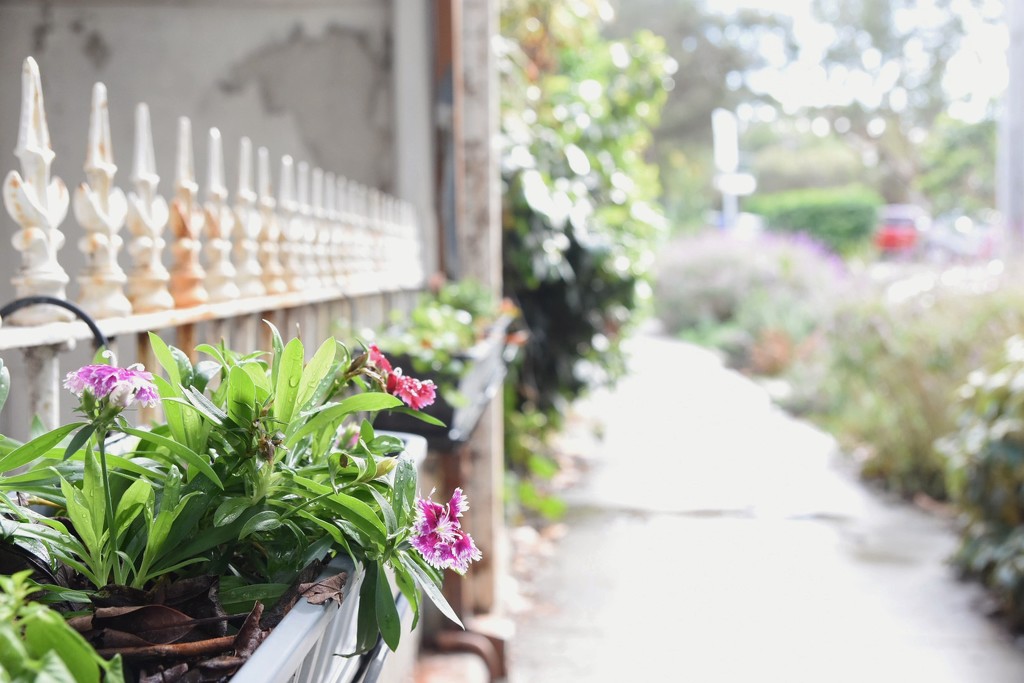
{"x":326,"y":249}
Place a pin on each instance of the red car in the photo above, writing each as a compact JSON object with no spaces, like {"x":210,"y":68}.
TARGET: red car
{"x":900,"y":228}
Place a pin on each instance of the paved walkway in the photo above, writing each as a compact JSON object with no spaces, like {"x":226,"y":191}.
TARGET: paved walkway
{"x":716,"y":539}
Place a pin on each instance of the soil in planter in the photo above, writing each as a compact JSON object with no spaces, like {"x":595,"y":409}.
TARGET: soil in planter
{"x":179,"y":630}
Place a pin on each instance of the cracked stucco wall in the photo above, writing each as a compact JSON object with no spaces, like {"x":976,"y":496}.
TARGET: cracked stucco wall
{"x":310,"y":78}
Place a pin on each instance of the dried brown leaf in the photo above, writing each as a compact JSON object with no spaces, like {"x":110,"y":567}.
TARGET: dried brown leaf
{"x":155,"y":623}
{"x":250,"y":635}
{"x":319,"y":592}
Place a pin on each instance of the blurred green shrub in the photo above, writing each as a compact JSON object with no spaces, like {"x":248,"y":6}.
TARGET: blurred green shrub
{"x":580,"y":213}
{"x":843,"y":219}
{"x":986,"y":466}
{"x":892,"y":371}
{"x":760,"y":299}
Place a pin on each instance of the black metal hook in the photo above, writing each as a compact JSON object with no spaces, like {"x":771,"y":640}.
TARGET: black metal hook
{"x":97,"y":335}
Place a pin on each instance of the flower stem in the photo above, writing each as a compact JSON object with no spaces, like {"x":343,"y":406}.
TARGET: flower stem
{"x":112,"y":532}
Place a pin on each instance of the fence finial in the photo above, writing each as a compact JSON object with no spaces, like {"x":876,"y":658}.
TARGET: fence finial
{"x":314,"y":214}
{"x":328,"y":230}
{"x":219,"y":223}
{"x":341,"y":236}
{"x":186,"y":225}
{"x":247,"y":228}
{"x":100,"y":208}
{"x":291,"y":225}
{"x":147,"y":217}
{"x":270,"y":235}
{"x":38,"y":204}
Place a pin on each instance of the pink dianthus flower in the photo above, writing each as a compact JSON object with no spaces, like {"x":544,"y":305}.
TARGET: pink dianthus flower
{"x":122,"y":387}
{"x":438,"y":535}
{"x":415,"y":393}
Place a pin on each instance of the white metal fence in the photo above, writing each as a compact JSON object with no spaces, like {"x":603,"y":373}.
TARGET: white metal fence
{"x":322,"y":250}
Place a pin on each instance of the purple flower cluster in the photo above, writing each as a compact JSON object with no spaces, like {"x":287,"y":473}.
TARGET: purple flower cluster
{"x":122,"y":387}
{"x":438,"y":535}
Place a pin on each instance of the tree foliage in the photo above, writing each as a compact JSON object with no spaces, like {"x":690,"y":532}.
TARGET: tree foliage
{"x":581,"y":214}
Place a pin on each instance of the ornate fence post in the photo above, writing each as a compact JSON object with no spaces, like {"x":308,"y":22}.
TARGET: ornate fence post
{"x":305,"y":230}
{"x":270,"y":228}
{"x":219,"y":222}
{"x":291,"y":227}
{"x":339,"y":237}
{"x":147,"y":217}
{"x":38,"y":204}
{"x":186,"y":224}
{"x":315,"y":227}
{"x":100,"y":209}
{"x":325,"y":235}
{"x":247,"y":231}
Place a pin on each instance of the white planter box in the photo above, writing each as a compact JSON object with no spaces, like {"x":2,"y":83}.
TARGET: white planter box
{"x":306,"y":646}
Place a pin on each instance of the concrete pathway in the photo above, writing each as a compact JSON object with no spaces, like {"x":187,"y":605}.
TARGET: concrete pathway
{"x":716,"y":539}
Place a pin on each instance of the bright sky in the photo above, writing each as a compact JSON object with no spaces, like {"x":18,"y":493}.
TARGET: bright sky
{"x":974,"y":76}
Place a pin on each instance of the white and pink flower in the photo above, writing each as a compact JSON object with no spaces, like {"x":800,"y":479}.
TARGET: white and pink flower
{"x":122,"y":387}
{"x":438,"y":534}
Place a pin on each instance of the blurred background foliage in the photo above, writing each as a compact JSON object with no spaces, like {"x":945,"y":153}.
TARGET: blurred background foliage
{"x":606,"y":124}
{"x":581,"y":212}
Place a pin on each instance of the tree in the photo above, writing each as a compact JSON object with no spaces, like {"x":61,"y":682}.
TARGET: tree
{"x":714,"y":55}
{"x":901,"y":49}
{"x":959,"y":162}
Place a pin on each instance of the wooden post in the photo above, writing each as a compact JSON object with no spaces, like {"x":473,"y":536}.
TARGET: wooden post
{"x":479,"y":257}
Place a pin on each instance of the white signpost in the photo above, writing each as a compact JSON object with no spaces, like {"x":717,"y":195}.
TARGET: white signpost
{"x":728,"y":180}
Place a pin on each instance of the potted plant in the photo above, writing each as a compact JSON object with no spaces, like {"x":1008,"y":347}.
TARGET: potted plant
{"x":457,"y":337}
{"x":177,"y":548}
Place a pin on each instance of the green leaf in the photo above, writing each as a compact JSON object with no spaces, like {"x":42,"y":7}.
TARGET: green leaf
{"x":390,"y":520}
{"x":266,"y":520}
{"x":387,"y":613}
{"x":5,"y":383}
{"x":407,"y":585}
{"x":132,"y":502}
{"x":79,"y":440}
{"x":36,"y":447}
{"x":278,"y":349}
{"x":37,"y":428}
{"x":289,"y":376}
{"x":348,"y":507}
{"x":213,"y":352}
{"x":430,"y":589}
{"x":165,"y":358}
{"x":331,"y":415}
{"x":267,"y":592}
{"x":419,"y":415}
{"x":230,"y":510}
{"x":46,"y":631}
{"x":366,"y":615}
{"x":194,"y":460}
{"x":78,"y":512}
{"x":404,"y":490}
{"x":258,"y":374}
{"x":207,"y":408}
{"x":241,"y":397}
{"x":315,"y":372}
{"x":386,"y":444}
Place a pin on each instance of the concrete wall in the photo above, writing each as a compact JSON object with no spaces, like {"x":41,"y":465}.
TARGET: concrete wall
{"x":310,"y":79}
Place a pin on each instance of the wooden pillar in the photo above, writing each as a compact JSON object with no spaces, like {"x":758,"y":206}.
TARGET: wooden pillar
{"x":479,"y":257}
